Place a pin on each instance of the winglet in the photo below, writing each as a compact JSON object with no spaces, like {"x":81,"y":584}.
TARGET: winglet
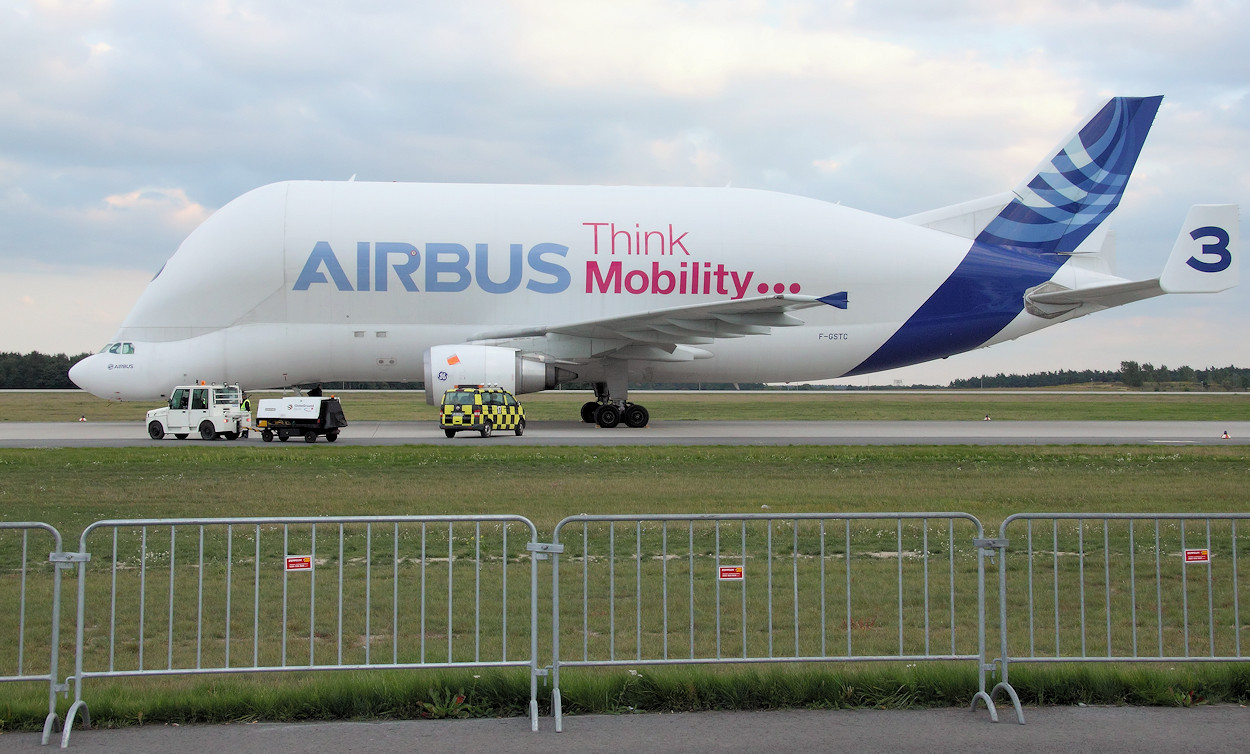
{"x":838,"y":300}
{"x":1204,"y":257}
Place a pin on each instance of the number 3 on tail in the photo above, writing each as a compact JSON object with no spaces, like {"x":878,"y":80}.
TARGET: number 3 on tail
{"x":1219,"y":249}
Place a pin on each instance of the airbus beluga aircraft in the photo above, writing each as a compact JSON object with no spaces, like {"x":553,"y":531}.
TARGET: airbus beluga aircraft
{"x":527,"y":287}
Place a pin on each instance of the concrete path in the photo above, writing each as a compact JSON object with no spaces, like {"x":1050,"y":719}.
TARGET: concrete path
{"x":1070,"y":729}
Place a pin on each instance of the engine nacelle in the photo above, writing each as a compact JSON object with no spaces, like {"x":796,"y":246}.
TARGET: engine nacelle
{"x":465,"y":364}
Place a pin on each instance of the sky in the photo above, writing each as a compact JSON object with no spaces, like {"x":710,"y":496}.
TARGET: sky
{"x":123,"y":125}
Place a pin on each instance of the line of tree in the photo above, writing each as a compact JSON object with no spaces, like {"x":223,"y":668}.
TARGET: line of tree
{"x":37,"y":371}
{"x":1131,"y":374}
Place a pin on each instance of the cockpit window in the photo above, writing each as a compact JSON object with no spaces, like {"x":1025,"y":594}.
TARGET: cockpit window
{"x":124,"y":349}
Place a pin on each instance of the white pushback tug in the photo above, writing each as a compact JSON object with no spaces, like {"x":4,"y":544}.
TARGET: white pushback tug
{"x":212,"y":410}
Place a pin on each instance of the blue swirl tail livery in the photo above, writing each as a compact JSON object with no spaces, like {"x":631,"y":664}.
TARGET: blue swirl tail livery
{"x":530,"y":286}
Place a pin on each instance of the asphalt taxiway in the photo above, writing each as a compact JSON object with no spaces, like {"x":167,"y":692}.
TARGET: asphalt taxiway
{"x":547,"y":433}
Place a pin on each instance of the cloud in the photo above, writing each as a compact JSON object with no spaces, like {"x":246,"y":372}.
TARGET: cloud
{"x":123,"y":125}
{"x":167,"y":206}
{"x":60,"y":312}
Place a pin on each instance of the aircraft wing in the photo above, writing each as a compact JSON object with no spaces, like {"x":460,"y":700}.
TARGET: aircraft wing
{"x":669,"y":334}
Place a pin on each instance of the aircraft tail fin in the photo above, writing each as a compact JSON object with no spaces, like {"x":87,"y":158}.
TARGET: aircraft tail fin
{"x":1071,"y":193}
{"x":1048,"y":219}
{"x":1204,"y":257}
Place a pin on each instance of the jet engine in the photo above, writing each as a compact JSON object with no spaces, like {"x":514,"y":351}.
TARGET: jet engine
{"x":509,"y":368}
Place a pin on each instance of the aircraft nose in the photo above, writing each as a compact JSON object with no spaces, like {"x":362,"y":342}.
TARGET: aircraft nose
{"x":80,"y":373}
{"x":90,"y":375}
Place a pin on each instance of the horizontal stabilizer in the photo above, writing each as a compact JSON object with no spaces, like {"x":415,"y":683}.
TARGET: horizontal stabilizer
{"x":1050,"y":300}
{"x":1203,"y":260}
{"x":967,"y":219}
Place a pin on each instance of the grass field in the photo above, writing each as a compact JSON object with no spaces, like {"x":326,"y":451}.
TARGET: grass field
{"x":71,"y":488}
{"x":711,"y":406}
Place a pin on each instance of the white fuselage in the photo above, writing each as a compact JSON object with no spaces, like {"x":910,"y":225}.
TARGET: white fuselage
{"x":304,"y":282}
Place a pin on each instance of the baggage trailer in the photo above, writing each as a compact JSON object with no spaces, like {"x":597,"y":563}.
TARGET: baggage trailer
{"x":304,"y":416}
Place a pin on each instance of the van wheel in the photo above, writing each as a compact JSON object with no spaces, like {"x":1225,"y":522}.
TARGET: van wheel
{"x":155,"y":431}
{"x":520,"y":428}
{"x":310,"y":436}
{"x":487,"y":429}
{"x":207,"y":431}
{"x":450,"y":433}
{"x":181,"y":435}
{"x":232,"y":435}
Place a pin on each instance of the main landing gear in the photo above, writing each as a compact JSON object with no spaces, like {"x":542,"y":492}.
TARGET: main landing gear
{"x":608,"y":413}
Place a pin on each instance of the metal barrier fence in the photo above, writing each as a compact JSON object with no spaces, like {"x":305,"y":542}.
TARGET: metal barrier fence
{"x":33,"y":616}
{"x":763,"y":588}
{"x":253,"y":595}
{"x":242,"y":595}
{"x":1139,"y":587}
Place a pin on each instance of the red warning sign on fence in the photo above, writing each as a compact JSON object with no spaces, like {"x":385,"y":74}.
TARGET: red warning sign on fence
{"x":731,"y":573}
{"x":1197,"y":556}
{"x":299,"y":562}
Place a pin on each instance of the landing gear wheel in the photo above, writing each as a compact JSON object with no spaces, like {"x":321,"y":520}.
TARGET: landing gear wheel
{"x":332,"y":436}
{"x":450,"y":433}
{"x":636,"y":416}
{"x":520,"y":428}
{"x":155,"y":431}
{"x":487,"y":428}
{"x":266,"y":435}
{"x":608,"y":416}
{"x":207,"y":431}
{"x":284,"y":435}
{"x":588,"y":412}
{"x":310,"y":436}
